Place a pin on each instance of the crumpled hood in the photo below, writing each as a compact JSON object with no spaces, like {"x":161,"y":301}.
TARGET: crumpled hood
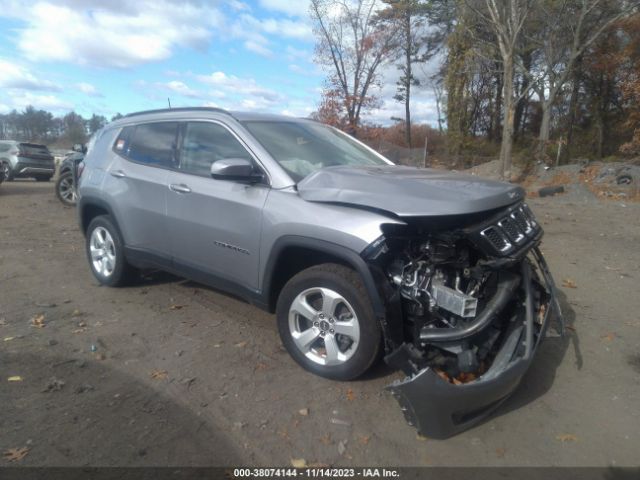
{"x":407,"y":191}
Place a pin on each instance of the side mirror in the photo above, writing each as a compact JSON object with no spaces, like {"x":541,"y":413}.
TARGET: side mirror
{"x":80,"y":148}
{"x":238,"y":169}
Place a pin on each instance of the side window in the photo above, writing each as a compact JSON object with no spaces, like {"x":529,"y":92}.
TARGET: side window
{"x":150,"y":143}
{"x":205,"y":143}
{"x":122,"y":142}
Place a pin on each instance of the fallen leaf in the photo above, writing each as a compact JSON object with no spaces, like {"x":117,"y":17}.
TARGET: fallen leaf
{"x":176,"y":307}
{"x":421,"y":438}
{"x":567,"y":437}
{"x":78,"y":330}
{"x":364,"y":439}
{"x":38,"y":321}
{"x":325,"y":439}
{"x":304,"y":412}
{"x":15,"y":378}
{"x":567,"y":282}
{"x":298,"y":463}
{"x":241,"y":344}
{"x":261,"y":366}
{"x":54,"y":385}
{"x":8,"y":339}
{"x":342,"y":447}
{"x":500,"y":452}
{"x":442,"y":375}
{"x":16,"y":454}
{"x":350,"y":395}
{"x":609,"y":337}
{"x":76,"y":313}
{"x":159,"y":374}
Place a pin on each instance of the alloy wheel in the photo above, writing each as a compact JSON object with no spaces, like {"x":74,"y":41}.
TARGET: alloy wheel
{"x":324,"y":326}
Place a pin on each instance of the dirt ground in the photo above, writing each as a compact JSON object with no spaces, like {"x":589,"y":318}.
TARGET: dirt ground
{"x":169,"y":372}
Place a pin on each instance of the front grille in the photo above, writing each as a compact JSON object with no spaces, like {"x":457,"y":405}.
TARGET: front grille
{"x":496,"y":238}
{"x":512,"y":231}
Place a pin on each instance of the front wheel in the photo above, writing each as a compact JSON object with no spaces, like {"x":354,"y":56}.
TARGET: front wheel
{"x":327,"y":324}
{"x":105,"y":252}
{"x":65,"y":190}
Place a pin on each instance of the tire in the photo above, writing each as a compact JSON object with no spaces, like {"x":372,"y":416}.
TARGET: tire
{"x":65,"y":190}
{"x":8,"y":174}
{"x":334,"y":299}
{"x":42,"y":178}
{"x":111,"y":268}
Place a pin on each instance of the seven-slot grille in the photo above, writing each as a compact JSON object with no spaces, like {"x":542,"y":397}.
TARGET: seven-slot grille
{"x":511,"y":231}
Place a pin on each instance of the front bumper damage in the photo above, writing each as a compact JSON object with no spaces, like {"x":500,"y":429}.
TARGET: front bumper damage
{"x":439,"y":409}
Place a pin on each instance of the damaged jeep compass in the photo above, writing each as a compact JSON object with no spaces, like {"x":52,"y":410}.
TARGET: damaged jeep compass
{"x":438,"y":273}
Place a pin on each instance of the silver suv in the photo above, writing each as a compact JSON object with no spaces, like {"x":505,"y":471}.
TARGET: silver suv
{"x":439,"y":273}
{"x":26,"y":160}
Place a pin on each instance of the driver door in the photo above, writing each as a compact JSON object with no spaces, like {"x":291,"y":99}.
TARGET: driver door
{"x":214,"y":225}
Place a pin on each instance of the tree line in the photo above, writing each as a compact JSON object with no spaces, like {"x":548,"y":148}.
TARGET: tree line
{"x":552,"y":78}
{"x":32,"y":125}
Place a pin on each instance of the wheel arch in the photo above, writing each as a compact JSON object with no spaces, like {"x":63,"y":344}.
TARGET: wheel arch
{"x":292,"y":254}
{"x":90,"y":208}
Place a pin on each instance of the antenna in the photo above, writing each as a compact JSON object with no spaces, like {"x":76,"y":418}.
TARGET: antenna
{"x":169,"y":102}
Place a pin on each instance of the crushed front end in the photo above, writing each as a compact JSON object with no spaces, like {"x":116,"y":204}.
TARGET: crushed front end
{"x":468,"y":300}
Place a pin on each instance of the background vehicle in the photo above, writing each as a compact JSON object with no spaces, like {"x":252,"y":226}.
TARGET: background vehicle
{"x":359,"y":258}
{"x":26,"y":160}
{"x":67,"y":176}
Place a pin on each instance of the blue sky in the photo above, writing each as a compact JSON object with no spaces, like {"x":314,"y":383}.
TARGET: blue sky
{"x":109,"y":56}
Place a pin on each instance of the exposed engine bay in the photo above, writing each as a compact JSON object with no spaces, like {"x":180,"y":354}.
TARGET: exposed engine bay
{"x":472,"y":302}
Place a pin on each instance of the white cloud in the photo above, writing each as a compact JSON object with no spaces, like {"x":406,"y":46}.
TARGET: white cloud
{"x":296,"y":29}
{"x":181,"y":88}
{"x":16,"y":99}
{"x":293,"y":8}
{"x":88,"y":89}
{"x":257,"y":47}
{"x":13,"y":75}
{"x":112,"y":33}
{"x":244,"y":88}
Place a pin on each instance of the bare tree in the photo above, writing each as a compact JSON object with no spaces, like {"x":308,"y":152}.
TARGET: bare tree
{"x":564,"y":31}
{"x":353,"y":45}
{"x":506,"y":20}
{"x":409,"y":17}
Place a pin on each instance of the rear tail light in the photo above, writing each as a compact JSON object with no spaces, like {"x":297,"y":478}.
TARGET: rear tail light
{"x":80,"y":169}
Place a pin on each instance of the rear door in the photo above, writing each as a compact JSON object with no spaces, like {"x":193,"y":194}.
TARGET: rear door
{"x":137,"y":185}
{"x":215,"y":225}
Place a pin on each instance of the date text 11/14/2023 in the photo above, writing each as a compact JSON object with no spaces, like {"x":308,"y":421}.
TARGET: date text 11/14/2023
{"x":316,"y":472}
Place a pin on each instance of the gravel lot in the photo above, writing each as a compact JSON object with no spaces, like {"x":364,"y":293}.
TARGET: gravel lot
{"x":169,"y":372}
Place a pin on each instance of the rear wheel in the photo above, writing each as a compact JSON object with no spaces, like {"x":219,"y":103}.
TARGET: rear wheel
{"x":8,"y":175}
{"x":105,"y":252}
{"x":65,"y":190}
{"x":327,"y":324}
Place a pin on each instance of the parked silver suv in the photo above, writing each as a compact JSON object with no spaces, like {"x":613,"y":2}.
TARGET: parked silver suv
{"x":359,"y":258}
{"x":26,"y":160}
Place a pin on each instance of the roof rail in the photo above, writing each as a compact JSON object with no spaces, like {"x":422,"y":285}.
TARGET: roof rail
{"x":179,"y":109}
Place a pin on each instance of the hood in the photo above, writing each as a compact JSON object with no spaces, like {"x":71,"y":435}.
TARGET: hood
{"x":407,"y":191}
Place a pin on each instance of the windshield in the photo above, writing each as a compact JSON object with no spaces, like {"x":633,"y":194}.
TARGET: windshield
{"x":302,"y":148}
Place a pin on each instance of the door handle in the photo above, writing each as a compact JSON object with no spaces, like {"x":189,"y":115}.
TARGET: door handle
{"x":118,"y":174}
{"x":179,"y":188}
